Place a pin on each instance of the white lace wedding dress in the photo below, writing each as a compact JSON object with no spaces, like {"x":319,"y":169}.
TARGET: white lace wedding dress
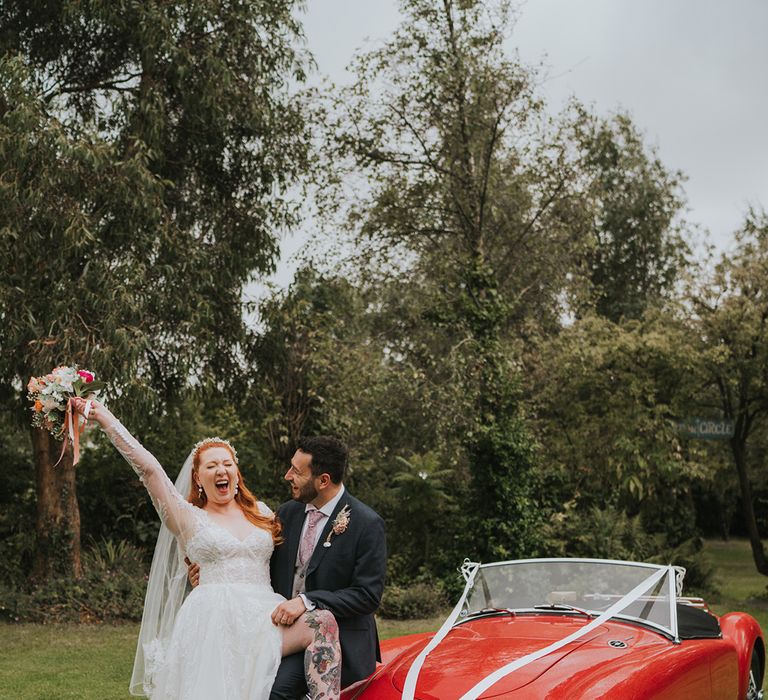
{"x":223,"y":645}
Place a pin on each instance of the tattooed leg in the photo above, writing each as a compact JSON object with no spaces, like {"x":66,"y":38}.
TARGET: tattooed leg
{"x":317,"y":634}
{"x":322,"y":658}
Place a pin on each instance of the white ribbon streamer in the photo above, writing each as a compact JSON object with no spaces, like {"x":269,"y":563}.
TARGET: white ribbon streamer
{"x":409,"y":689}
{"x":615,"y":609}
{"x":468,"y":570}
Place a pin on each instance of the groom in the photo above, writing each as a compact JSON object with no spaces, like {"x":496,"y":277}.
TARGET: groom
{"x":333,"y":557}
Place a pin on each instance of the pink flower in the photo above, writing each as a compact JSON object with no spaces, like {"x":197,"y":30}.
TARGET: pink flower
{"x":34,"y":385}
{"x":339,"y":525}
{"x":85,"y":374}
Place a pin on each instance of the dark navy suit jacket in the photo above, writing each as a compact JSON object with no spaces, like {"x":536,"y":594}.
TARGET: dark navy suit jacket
{"x":346,"y":578}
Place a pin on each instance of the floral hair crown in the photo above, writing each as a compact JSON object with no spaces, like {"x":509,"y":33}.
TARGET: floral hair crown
{"x":213,"y":441}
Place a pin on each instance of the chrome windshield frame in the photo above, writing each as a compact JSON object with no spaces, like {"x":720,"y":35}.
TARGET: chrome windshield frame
{"x":670,"y":584}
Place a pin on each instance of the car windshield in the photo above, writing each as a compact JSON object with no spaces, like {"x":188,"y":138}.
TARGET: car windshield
{"x":577,"y":585}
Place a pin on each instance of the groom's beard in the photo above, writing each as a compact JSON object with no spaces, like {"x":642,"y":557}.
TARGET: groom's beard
{"x":306,"y":493}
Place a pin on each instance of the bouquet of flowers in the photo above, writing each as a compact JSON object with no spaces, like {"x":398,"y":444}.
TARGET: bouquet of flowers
{"x":50,"y":396}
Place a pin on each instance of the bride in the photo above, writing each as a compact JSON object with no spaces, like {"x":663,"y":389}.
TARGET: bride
{"x":221,"y":641}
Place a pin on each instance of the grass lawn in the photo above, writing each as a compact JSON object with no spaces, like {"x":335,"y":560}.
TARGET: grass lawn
{"x":740,"y":586}
{"x":55,"y":662}
{"x":735,"y":570}
{"x":90,"y":662}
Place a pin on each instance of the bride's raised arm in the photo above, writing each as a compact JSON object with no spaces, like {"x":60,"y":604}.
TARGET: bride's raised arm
{"x":175,"y":512}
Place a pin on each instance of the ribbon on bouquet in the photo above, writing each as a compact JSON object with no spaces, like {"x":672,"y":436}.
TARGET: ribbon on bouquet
{"x":73,"y":428}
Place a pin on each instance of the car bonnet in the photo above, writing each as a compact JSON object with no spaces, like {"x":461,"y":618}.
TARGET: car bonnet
{"x":477,"y":648}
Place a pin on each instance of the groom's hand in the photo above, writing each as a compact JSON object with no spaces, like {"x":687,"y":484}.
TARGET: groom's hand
{"x":288,"y":612}
{"x":193,"y":572}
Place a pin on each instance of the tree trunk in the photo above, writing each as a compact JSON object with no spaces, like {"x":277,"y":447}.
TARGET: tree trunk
{"x":758,"y":553}
{"x":57,"y":529}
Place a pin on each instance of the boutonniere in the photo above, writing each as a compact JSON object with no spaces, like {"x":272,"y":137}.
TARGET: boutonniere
{"x":340,"y":523}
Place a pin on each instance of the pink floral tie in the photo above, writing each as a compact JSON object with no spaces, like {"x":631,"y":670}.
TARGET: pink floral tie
{"x":308,"y":540}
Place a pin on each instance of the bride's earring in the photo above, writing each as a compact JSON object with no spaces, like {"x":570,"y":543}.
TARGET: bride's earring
{"x":237,"y":488}
{"x":199,"y":490}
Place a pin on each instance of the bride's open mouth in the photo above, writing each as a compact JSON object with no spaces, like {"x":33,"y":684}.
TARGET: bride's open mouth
{"x":222,"y":486}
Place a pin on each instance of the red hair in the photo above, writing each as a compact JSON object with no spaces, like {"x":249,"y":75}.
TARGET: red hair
{"x":244,"y":498}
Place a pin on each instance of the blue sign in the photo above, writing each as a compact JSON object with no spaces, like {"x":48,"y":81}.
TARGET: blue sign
{"x":707,"y":428}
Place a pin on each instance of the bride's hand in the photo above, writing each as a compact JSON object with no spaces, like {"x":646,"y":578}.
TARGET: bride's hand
{"x":193,"y":572}
{"x":98,"y":412}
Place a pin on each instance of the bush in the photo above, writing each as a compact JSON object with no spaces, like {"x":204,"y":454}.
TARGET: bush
{"x":419,"y":600}
{"x":17,"y":540}
{"x":18,"y":505}
{"x":111,"y":590}
{"x":609,"y":533}
{"x":699,"y":572}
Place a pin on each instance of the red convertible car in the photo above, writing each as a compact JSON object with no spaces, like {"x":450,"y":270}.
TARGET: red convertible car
{"x":574,"y":629}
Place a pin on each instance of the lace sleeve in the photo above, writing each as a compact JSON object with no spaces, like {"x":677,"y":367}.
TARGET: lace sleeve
{"x":175,"y":512}
{"x":264,"y":509}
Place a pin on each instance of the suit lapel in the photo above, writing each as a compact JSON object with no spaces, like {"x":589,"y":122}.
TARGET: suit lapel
{"x":320,"y":550}
{"x":284,"y":564}
{"x":294,"y":537}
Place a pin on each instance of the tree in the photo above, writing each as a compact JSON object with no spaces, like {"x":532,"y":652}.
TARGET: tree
{"x":466,"y":182}
{"x":298,"y":361}
{"x":731,"y":319}
{"x":322,"y":361}
{"x":424,"y":501}
{"x":635,"y":202}
{"x":145,"y":147}
{"x":619,"y":474}
{"x":608,"y":398}
{"x":469,"y":196}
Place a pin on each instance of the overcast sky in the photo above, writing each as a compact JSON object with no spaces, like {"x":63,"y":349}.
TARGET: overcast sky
{"x":692,"y":73}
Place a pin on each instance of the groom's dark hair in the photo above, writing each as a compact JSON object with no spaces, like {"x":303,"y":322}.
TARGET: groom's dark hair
{"x":329,"y":456}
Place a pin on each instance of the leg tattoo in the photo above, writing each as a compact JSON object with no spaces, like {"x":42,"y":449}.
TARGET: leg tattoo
{"x":322,"y":659}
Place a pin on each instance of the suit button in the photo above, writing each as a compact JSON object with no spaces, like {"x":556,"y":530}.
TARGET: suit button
{"x":301,"y":575}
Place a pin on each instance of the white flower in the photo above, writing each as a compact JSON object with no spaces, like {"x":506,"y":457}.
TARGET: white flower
{"x":65,"y":377}
{"x":50,"y":403}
